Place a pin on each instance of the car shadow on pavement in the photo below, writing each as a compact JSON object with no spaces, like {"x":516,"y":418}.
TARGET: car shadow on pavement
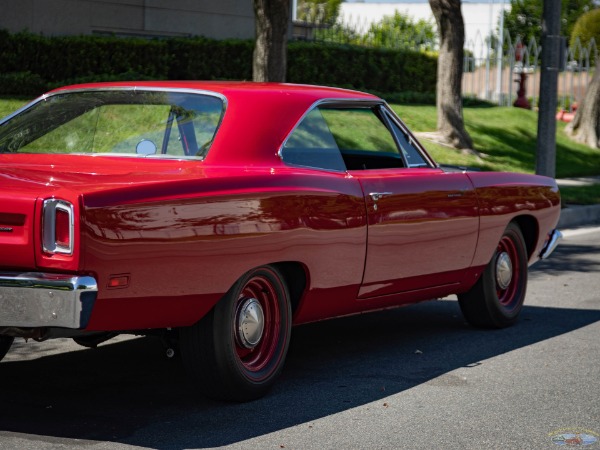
{"x":129,"y":393}
{"x":568,"y":258}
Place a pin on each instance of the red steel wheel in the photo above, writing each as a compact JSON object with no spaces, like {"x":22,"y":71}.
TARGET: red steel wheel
{"x":237,"y":351}
{"x":257,"y":324}
{"x":507,"y":272}
{"x":496,"y":300}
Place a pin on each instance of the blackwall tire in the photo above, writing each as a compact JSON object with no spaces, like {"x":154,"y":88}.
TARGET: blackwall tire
{"x":5,"y":343}
{"x":237,"y":351}
{"x":496,"y":300}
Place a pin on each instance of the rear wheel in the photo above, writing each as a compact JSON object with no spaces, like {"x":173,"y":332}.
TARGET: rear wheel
{"x":496,"y":300}
{"x":237,"y":351}
{"x":5,"y":343}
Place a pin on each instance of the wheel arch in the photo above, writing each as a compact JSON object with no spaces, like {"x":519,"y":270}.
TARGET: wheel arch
{"x":295,"y":276}
{"x":530,"y":230}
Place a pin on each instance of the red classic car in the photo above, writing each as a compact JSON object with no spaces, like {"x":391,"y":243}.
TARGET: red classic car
{"x":218,"y":215}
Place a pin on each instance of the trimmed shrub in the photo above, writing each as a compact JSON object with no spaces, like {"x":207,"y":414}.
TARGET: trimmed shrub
{"x":362,"y":68}
{"x":66,"y":57}
{"x":37,"y":63}
{"x":208,"y":59}
{"x":587,"y":27}
{"x":24,"y":84}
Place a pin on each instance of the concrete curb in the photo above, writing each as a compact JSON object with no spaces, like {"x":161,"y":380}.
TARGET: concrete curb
{"x":576,"y":216}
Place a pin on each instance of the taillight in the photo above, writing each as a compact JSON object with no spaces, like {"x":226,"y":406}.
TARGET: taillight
{"x":57,"y":227}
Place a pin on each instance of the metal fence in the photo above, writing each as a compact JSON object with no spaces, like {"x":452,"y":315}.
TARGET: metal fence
{"x":492,"y":67}
{"x":354,"y":30}
{"x":493,"y":71}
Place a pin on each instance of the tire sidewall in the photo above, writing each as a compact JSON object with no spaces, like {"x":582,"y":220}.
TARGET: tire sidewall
{"x":224,"y":335}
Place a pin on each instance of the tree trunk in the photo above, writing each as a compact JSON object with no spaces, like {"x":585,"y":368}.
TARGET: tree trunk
{"x":270,"y":52}
{"x":585,"y":126}
{"x":451,"y":28}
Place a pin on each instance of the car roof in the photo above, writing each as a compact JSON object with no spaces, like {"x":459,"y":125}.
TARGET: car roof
{"x":258,"y":116}
{"x":235,"y":88}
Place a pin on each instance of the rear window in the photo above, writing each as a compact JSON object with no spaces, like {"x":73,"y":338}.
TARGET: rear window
{"x":122,"y":122}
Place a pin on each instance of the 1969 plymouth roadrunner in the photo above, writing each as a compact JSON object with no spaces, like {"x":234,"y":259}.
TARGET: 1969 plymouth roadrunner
{"x":221,"y":214}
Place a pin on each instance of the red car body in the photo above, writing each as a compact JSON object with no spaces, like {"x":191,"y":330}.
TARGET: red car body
{"x":165,"y":239}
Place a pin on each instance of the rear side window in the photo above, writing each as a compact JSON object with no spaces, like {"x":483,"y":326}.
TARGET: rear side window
{"x":311,"y":144}
{"x":333,"y":137}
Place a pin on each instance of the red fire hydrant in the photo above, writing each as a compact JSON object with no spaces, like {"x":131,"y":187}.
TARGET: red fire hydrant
{"x":521,"y":101}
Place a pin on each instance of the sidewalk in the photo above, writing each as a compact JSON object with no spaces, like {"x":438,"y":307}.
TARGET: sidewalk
{"x":572,"y":216}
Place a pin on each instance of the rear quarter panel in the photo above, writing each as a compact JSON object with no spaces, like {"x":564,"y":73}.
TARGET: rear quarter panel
{"x":182,"y":245}
{"x":504,"y":197}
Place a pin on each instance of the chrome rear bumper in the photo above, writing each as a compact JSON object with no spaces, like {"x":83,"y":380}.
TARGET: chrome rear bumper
{"x":553,"y":238}
{"x":46,"y":300}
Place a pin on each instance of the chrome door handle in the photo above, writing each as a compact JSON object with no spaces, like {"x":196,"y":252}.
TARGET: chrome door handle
{"x":377,"y":195}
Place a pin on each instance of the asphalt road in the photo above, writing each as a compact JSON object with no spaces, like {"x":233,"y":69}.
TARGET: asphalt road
{"x":415,"y":378}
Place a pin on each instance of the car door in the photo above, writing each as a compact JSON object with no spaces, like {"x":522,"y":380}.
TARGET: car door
{"x":422,"y":222}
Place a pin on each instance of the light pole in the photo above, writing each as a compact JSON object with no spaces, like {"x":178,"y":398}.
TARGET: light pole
{"x":545,"y":163}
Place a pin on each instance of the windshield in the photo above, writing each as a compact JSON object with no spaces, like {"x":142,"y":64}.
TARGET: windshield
{"x":121,"y":121}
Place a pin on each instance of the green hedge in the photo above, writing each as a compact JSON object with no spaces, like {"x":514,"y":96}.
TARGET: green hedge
{"x":585,"y":29}
{"x":68,"y":57}
{"x":361,"y":68}
{"x":31,"y":64}
{"x":209,"y":59}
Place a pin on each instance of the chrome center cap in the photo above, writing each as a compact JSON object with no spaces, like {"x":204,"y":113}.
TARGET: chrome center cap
{"x":250,"y":323}
{"x":503,"y":270}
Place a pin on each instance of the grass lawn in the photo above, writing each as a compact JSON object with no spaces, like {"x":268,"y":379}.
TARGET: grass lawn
{"x":580,"y":195}
{"x":9,"y":105}
{"x":506,"y":138}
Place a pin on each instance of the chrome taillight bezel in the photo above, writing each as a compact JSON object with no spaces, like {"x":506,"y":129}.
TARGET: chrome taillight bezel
{"x":49,"y":244}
